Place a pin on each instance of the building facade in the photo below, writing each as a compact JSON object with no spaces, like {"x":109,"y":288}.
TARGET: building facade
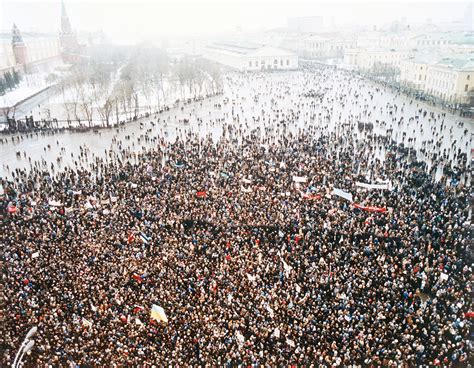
{"x":363,"y":59}
{"x":27,"y":52}
{"x":31,"y":52}
{"x":325,"y":47}
{"x":413,"y":73}
{"x":251,"y":57}
{"x":452,"y":80}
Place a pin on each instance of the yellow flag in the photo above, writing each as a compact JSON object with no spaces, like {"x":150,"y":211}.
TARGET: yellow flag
{"x":158,"y":313}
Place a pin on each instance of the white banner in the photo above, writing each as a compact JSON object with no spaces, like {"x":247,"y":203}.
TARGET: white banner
{"x":343,"y":194}
{"x":372,"y":186}
{"x":300,"y":179}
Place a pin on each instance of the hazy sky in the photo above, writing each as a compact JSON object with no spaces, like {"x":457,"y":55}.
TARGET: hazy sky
{"x":128,"y":21}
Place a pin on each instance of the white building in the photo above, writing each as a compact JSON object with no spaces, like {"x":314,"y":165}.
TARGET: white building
{"x":325,"y":46}
{"x":414,"y":71}
{"x":430,"y":40}
{"x":251,"y":57}
{"x":452,"y":79}
{"x":381,"y":40}
{"x":364,"y":59}
{"x":40,"y":51}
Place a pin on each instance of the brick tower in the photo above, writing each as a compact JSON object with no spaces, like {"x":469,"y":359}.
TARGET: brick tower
{"x":67,"y":37}
{"x":19,"y":47}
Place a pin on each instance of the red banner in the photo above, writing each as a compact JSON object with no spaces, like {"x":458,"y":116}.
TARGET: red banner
{"x":370,"y":209}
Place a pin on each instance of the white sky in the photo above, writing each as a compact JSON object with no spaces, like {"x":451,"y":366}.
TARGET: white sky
{"x":126,"y":21}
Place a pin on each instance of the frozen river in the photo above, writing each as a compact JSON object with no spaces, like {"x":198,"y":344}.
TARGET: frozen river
{"x":255,"y":101}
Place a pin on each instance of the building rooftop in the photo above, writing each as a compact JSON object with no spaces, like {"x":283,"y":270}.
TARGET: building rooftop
{"x":426,"y":58}
{"x":236,"y":47}
{"x":249,"y":49}
{"x":7,"y":35}
{"x":461,"y":62}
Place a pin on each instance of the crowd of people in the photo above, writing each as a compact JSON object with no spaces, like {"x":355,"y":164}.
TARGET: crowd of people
{"x":272,"y":231}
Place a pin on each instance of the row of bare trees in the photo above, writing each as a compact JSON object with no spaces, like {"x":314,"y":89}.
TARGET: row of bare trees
{"x":147,"y":82}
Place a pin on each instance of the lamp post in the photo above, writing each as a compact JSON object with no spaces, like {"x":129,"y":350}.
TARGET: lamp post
{"x":27,"y":348}
{"x":26,"y":345}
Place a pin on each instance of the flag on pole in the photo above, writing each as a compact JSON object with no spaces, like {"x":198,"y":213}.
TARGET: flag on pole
{"x":158,"y":313}
{"x":287,"y":267}
{"x":86,"y":323}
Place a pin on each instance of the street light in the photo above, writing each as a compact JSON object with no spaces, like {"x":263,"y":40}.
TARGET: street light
{"x":31,"y":332}
{"x":26,"y":345}
{"x":27,"y":348}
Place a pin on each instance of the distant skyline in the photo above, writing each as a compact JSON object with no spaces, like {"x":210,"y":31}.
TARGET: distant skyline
{"x":127,"y":21}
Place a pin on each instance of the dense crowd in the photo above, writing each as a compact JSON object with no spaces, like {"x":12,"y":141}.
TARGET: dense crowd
{"x":245,"y":244}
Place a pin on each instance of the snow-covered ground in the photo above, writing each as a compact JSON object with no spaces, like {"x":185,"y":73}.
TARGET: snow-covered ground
{"x":29,"y":85}
{"x":61,"y":104}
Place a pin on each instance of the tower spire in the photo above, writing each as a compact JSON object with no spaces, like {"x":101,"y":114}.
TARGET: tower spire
{"x":19,"y":47}
{"x":66,"y":28}
{"x":17,"y":39}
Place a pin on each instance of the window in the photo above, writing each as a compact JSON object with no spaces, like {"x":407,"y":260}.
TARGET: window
{"x":262,"y":62}
{"x":275,"y":62}
{"x":287,"y":62}
{"x":250,"y":64}
{"x":281,"y":62}
{"x":468,"y":77}
{"x":466,"y":87}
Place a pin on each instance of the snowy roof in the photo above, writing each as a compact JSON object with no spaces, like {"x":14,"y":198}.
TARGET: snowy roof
{"x":270,"y":51}
{"x":316,"y":38}
{"x":432,"y":36}
{"x":462,"y":63}
{"x":236,"y":47}
{"x":249,"y":49}
{"x":374,"y":49}
{"x":464,"y":39}
{"x":426,"y":58}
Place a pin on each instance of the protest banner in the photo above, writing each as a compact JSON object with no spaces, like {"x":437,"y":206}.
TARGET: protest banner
{"x":369,"y":208}
{"x":372,"y":186}
{"x":343,"y":194}
{"x":300,"y":179}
